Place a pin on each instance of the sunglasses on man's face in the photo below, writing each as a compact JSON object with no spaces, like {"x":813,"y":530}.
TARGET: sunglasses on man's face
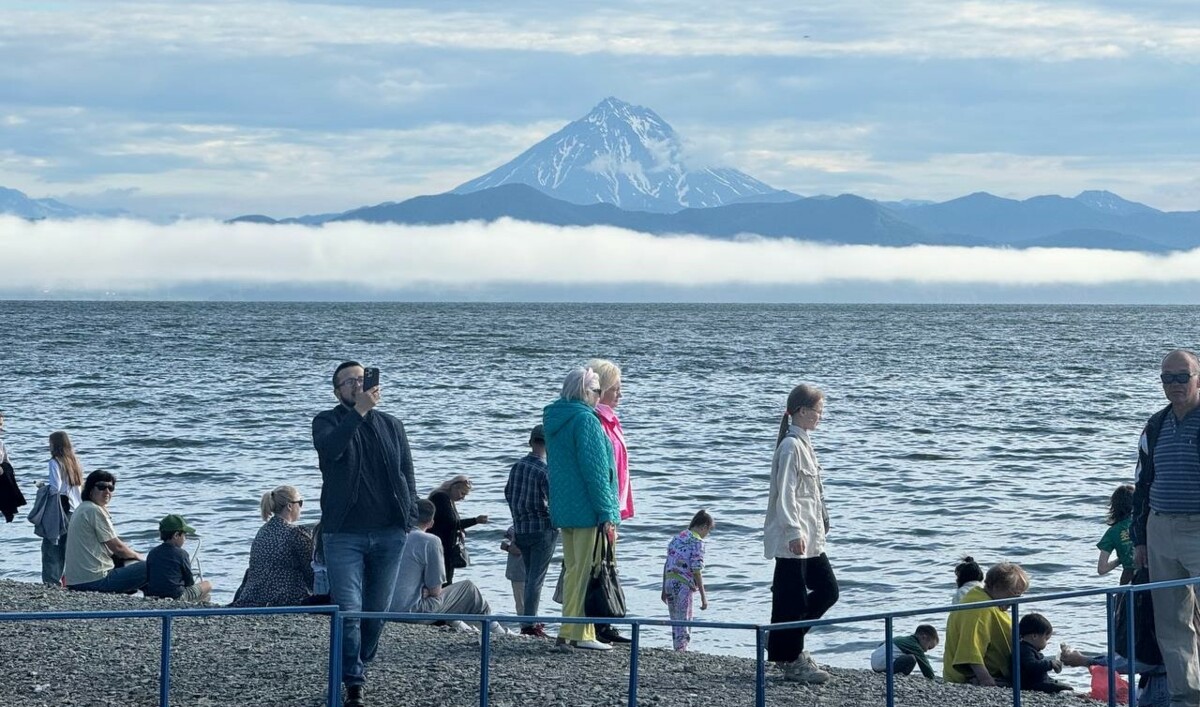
{"x":1169,"y":378}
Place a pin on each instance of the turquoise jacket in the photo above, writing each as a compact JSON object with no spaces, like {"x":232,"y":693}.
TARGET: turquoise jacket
{"x":583,"y":472}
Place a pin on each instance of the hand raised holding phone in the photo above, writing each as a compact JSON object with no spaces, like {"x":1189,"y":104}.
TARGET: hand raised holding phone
{"x":367,"y":397}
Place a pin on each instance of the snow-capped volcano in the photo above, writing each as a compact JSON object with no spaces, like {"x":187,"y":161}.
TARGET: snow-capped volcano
{"x":624,"y":155}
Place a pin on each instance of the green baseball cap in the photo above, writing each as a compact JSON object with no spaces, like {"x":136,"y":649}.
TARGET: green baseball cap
{"x":175,"y":524}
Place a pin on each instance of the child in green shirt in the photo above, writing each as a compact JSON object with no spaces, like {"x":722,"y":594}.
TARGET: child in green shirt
{"x":1116,"y":538}
{"x":909,"y":652}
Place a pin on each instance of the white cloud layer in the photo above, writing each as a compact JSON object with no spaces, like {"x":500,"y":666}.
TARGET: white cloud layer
{"x":1054,"y":31}
{"x":128,"y":256}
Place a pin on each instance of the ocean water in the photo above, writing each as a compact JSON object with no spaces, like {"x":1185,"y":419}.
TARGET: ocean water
{"x":997,"y":431}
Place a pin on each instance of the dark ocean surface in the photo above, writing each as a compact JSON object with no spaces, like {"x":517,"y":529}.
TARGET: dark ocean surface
{"x":997,"y":431}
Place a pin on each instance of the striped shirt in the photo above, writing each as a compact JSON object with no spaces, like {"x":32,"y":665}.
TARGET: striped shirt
{"x":528,"y":495}
{"x":1176,"y":485}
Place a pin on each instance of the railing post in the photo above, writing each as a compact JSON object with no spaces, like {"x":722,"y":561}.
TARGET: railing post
{"x":164,"y":664}
{"x":335,"y":658}
{"x":485,"y":660}
{"x":1016,"y":654}
{"x":635,"y":630}
{"x":889,"y":652}
{"x":1130,"y":649}
{"x":1111,"y":625}
{"x":760,"y":676}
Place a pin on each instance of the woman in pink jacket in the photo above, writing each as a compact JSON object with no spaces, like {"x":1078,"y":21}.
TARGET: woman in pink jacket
{"x":610,"y":398}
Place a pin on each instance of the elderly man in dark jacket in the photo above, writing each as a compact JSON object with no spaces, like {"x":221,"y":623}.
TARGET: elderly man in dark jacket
{"x":368,"y":504}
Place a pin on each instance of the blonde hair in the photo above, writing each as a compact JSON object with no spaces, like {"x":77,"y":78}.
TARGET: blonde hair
{"x":1008,"y":576}
{"x":274,"y":501}
{"x":609,"y":372}
{"x":454,"y":481}
{"x":63,"y":454}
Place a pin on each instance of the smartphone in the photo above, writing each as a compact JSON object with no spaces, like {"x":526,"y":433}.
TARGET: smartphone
{"x":370,"y":378}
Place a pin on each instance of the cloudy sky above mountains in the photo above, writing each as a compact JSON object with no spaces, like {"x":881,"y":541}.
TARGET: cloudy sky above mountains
{"x":224,"y":108}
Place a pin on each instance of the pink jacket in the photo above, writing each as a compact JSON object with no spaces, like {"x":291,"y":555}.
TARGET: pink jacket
{"x":612,"y":428}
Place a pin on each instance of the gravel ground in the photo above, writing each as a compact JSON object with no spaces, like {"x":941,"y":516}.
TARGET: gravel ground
{"x":281,"y":660}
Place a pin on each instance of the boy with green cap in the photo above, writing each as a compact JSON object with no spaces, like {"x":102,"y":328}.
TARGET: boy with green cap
{"x":168,"y":567}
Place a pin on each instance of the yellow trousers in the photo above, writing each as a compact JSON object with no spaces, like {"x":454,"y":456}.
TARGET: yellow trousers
{"x":577,"y":569}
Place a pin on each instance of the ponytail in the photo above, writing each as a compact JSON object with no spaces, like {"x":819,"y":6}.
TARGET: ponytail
{"x":783,"y":428}
{"x":802,"y":396}
{"x":276,"y":500}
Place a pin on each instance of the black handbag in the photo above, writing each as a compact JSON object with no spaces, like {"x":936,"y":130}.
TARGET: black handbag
{"x":604,"y":598}
{"x":1145,"y":640}
{"x":457,"y":555}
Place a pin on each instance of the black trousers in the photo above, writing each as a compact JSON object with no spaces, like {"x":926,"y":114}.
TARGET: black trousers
{"x":802,"y":589}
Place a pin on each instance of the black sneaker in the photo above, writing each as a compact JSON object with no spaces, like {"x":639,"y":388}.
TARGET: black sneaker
{"x":354,"y":696}
{"x":611,"y":635}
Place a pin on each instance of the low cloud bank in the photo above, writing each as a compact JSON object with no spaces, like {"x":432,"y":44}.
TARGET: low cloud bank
{"x":124,"y":255}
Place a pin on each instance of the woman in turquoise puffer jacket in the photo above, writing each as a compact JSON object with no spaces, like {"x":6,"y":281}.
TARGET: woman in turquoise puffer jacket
{"x":583,"y":492}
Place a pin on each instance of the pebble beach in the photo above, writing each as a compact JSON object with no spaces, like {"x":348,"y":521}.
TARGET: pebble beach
{"x":281,"y":660}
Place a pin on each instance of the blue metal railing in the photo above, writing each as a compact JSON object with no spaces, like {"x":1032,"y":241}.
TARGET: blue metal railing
{"x":333,"y":695}
{"x":167,"y":616}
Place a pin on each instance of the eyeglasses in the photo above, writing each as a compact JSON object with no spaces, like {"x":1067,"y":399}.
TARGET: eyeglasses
{"x":596,"y":391}
{"x":358,"y":380}
{"x":105,"y":486}
{"x":298,"y":502}
{"x":1169,"y":378}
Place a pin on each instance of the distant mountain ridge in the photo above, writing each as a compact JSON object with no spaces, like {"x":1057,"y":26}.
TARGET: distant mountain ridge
{"x":624,"y":155}
{"x":622,"y":165}
{"x":17,"y":203}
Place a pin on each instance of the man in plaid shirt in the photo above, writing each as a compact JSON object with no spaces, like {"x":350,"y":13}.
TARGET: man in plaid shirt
{"x":528,"y":496}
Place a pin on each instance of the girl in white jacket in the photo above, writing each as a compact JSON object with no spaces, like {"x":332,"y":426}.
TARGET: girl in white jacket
{"x":803,"y":587}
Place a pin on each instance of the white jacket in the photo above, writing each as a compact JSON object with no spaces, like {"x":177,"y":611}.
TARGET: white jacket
{"x":796,"y":505}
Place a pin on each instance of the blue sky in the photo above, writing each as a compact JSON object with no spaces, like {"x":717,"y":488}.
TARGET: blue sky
{"x":284,"y":108}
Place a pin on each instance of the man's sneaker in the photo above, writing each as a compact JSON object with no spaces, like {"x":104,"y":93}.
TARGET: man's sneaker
{"x":804,"y":670}
{"x":463,"y":627}
{"x":354,"y":696}
{"x":536,"y":630}
{"x":611,"y":635}
{"x":592,"y":645}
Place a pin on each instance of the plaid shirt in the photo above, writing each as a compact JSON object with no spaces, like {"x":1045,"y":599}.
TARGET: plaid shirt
{"x":528,"y":495}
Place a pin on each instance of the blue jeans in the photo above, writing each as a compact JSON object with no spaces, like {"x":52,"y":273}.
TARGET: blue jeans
{"x":122,"y":580}
{"x":537,"y":549}
{"x":362,"y":577}
{"x":54,"y":558}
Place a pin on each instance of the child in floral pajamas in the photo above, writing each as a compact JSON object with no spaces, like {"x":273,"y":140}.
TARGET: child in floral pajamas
{"x":681,"y":575}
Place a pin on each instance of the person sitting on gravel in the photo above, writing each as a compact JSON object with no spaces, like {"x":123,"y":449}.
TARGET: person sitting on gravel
{"x":1035,"y":631}
{"x":169,"y":568}
{"x":979,"y":641}
{"x":422,"y":571}
{"x":908,"y":652}
{"x":280,"y":571}
{"x":93,"y":547}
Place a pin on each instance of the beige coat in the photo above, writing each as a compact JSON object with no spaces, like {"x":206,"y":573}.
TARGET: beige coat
{"x":796,"y":505}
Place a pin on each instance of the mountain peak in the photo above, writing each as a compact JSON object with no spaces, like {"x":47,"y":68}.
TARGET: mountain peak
{"x":1108,"y":202}
{"x":621,"y":154}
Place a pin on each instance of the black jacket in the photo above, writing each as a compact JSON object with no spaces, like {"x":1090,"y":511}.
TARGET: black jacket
{"x":11,"y":497}
{"x":346,"y":450}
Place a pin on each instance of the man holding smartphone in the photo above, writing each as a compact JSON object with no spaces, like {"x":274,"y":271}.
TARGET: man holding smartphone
{"x":368,"y":504}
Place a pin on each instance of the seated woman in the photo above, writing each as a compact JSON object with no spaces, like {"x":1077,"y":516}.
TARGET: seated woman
{"x":93,"y":546}
{"x":280,"y":572}
{"x":979,"y":641}
{"x":447,"y":524}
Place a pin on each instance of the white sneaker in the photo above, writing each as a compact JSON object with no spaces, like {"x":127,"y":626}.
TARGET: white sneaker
{"x":463,"y":626}
{"x":592,"y":645}
{"x":500,"y":630}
